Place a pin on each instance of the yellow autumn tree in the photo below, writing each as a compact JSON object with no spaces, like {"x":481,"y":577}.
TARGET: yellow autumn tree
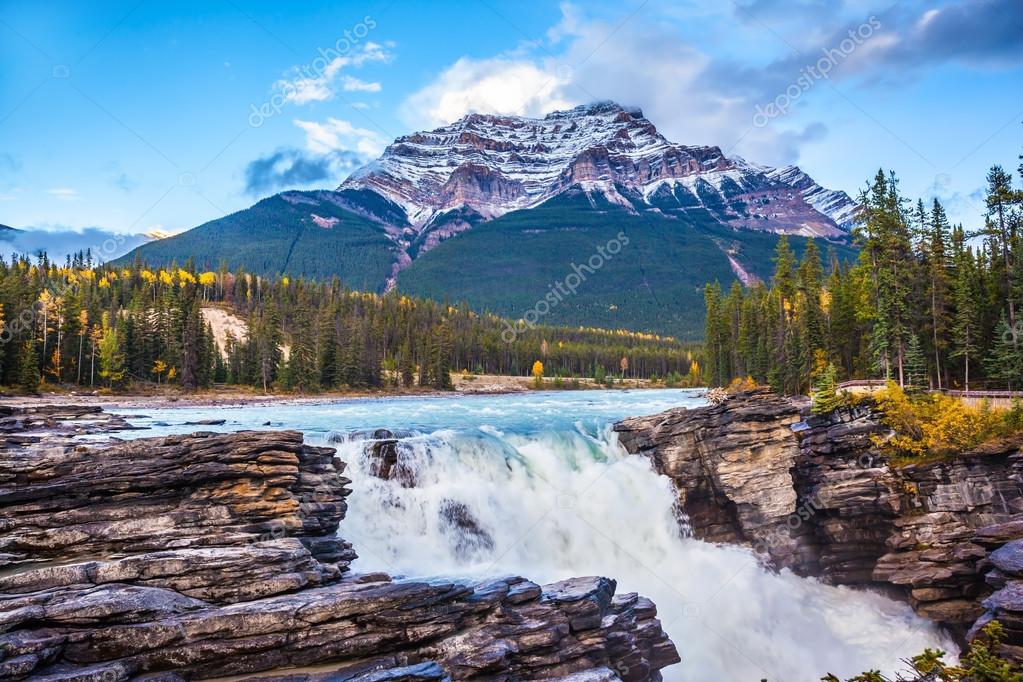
{"x":207,"y":279}
{"x":159,"y":367}
{"x":538,"y":373}
{"x":695,"y":376}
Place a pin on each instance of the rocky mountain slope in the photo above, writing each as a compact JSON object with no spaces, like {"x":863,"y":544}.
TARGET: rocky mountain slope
{"x":492,"y":165}
{"x":210,"y":555}
{"x":814,"y":494}
{"x":433,"y":214}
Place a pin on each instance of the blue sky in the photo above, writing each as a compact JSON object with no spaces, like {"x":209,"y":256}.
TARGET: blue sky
{"x":144,"y":116}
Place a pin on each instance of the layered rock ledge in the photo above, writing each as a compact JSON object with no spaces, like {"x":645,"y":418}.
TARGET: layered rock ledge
{"x":208,"y":555}
{"x":814,"y":494}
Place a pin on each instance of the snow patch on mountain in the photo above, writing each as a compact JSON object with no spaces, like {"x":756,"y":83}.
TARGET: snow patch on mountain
{"x":493,"y":164}
{"x":835,"y":204}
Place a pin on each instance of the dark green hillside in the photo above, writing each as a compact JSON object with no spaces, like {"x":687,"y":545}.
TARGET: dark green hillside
{"x":278,"y":236}
{"x":654,"y":284}
{"x":505,"y":266}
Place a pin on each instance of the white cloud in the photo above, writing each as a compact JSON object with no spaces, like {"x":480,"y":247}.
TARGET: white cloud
{"x":64,"y":193}
{"x":335,"y":135}
{"x":638,"y":63}
{"x":927,"y":17}
{"x":495,"y":86}
{"x":353,"y":84}
{"x":318,"y":81}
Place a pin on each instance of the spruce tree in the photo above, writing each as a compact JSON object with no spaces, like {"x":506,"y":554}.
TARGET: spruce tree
{"x":716,"y":339}
{"x":916,"y":365}
{"x":328,"y":349}
{"x":442,"y":359}
{"x":938,"y":285}
{"x":825,"y":391}
{"x":1005,"y":360}
{"x":406,"y":365}
{"x":28,"y":361}
{"x":965,"y":324}
{"x":302,"y":367}
{"x":111,"y":355}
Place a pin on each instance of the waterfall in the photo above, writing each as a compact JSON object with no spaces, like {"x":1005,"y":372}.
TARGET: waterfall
{"x":550,"y":504}
{"x":542,"y":489}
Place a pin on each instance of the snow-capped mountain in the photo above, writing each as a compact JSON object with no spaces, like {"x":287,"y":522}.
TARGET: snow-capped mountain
{"x":491,"y":165}
{"x":491,"y":210}
{"x":831,"y":202}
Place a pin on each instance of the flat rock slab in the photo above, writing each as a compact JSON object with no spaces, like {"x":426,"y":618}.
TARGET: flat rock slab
{"x":1009,"y":557}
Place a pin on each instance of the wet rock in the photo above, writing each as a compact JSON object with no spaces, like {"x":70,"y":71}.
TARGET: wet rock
{"x":208,"y":555}
{"x":469,"y":538}
{"x":175,"y":492}
{"x":386,"y":457}
{"x":999,"y":533}
{"x":217,"y":574}
{"x":1009,"y":557}
{"x":814,"y":494}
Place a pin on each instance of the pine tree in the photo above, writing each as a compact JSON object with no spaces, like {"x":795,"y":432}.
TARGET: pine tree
{"x":302,"y":367}
{"x":267,"y":346}
{"x":406,"y":365}
{"x":938,"y":285}
{"x":825,"y":391}
{"x":887,"y":252}
{"x":111,"y":355}
{"x":788,"y":372}
{"x":1005,"y":359}
{"x":965,"y":325}
{"x":328,"y":349}
{"x":717,"y":348}
{"x":916,"y":365}
{"x":28,"y":377}
{"x":191,"y":330}
{"x":442,"y":359}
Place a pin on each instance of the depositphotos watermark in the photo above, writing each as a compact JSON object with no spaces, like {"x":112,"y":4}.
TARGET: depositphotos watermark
{"x":1013,"y":334}
{"x":809,"y":75}
{"x":564,"y":288}
{"x":313,"y":71}
{"x":809,"y":507}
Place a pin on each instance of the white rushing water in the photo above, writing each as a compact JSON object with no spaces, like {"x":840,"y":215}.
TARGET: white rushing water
{"x":537,"y":485}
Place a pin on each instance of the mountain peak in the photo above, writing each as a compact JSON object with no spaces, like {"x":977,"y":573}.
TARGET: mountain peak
{"x":491,"y":164}
{"x":596,"y":108}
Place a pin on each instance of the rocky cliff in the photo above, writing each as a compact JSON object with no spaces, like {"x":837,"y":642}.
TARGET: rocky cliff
{"x":207,"y":555}
{"x":492,"y":164}
{"x":814,"y":494}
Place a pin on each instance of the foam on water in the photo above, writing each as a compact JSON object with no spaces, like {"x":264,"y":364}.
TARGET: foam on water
{"x":537,"y":485}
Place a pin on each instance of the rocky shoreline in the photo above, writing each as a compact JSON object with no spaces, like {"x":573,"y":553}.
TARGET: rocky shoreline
{"x":208,"y":555}
{"x":815,"y":495}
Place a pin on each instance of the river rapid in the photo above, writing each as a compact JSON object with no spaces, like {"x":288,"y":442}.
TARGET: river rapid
{"x":536,"y":484}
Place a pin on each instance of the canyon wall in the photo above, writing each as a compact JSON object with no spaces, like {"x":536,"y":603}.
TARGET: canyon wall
{"x":815,"y":495}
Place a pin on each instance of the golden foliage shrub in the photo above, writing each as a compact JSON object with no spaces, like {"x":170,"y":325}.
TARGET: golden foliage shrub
{"x":937,"y":424}
{"x":741,"y":384}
